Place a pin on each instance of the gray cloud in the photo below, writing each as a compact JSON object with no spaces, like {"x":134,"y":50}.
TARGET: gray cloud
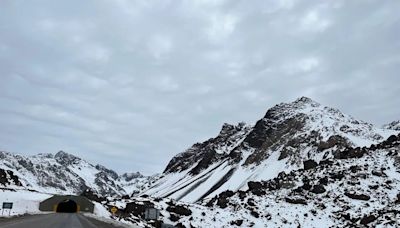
{"x":129,"y":84}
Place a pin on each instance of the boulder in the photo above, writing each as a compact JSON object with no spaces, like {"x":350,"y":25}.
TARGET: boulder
{"x":223,"y":200}
{"x":238,"y":222}
{"x":254,"y":185}
{"x":367,"y":219}
{"x":296,"y":201}
{"x":358,"y":196}
{"x":257,"y":188}
{"x":318,"y":189}
{"x":309,"y":164}
{"x":255,"y":214}
{"x":180,"y":210}
{"x":174,"y":217}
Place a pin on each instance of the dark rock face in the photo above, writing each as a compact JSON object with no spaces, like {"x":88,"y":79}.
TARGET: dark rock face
{"x":266,"y":135}
{"x":205,"y":153}
{"x":174,"y":217}
{"x":351,"y":153}
{"x":6,"y":176}
{"x":334,"y":140}
{"x":223,"y":199}
{"x":357,"y":196}
{"x":309,"y":164}
{"x":206,"y":160}
{"x":180,"y":225}
{"x":367,"y":219}
{"x":107,"y":172}
{"x":254,"y":185}
{"x":257,"y":188}
{"x":306,"y":186}
{"x":180,"y":210}
{"x":392,"y":141}
{"x":296,"y":201}
{"x":66,"y":158}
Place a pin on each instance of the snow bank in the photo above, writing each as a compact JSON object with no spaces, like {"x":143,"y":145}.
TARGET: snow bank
{"x":25,"y":202}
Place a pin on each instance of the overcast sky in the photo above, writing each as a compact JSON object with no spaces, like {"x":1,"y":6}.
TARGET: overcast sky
{"x":129,"y":84}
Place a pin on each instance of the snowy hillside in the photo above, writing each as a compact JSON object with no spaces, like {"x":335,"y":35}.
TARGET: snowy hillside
{"x":65,"y":174}
{"x":358,"y":188}
{"x":134,"y":183}
{"x":287,"y":135}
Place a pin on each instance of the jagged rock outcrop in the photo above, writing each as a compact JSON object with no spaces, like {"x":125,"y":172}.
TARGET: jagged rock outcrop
{"x":8,"y":178}
{"x":206,"y":153}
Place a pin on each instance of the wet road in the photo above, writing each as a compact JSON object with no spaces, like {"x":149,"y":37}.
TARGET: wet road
{"x":57,"y":220}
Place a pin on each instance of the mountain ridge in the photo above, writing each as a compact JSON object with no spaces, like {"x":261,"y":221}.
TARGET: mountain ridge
{"x":288,"y":134}
{"x":65,"y":173}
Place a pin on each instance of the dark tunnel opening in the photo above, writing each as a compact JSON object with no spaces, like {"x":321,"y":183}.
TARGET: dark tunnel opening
{"x":67,"y":206}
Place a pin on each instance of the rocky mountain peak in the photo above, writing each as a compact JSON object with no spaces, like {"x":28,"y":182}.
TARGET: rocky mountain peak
{"x":228,"y":129}
{"x":395,"y":125}
{"x":304,"y":123}
{"x":288,"y":135}
{"x":306,"y":100}
{"x":66,"y":158}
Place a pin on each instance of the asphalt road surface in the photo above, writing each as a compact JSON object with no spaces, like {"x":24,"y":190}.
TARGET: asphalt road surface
{"x":56,"y":220}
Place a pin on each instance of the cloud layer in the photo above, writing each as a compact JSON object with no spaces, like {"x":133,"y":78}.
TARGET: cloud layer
{"x":129,"y":84}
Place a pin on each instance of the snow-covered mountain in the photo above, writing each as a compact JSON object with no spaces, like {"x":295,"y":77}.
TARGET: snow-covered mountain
{"x":395,"y":125}
{"x":65,"y":173}
{"x":288,"y":135}
{"x":301,"y":165}
{"x":358,"y":188}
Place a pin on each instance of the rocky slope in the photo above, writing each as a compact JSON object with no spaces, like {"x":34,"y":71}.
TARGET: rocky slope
{"x":287,"y":135}
{"x":65,"y":174}
{"x":358,"y":188}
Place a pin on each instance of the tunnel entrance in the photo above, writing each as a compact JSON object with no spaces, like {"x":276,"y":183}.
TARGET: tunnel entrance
{"x":67,"y":206}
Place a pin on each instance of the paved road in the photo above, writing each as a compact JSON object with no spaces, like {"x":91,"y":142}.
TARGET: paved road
{"x":56,"y":220}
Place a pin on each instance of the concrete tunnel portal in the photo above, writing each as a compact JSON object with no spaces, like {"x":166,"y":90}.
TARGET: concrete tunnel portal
{"x":67,"y":204}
